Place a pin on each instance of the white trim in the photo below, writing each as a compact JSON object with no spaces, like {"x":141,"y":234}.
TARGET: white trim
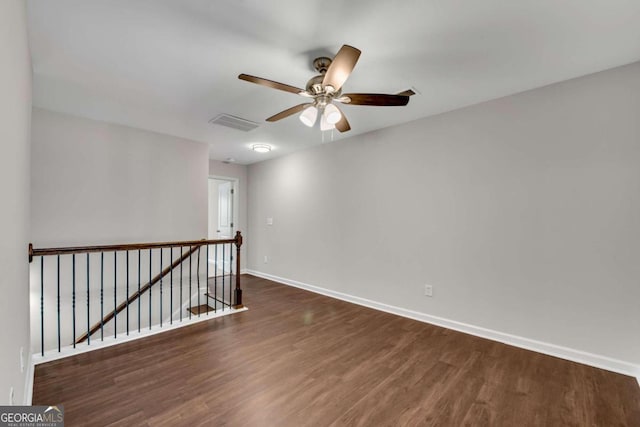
{"x":224,"y":178}
{"x":28,"y":381}
{"x":573,"y":355}
{"x":97,"y":344}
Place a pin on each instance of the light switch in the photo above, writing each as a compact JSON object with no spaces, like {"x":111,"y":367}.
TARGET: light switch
{"x":269,"y":221}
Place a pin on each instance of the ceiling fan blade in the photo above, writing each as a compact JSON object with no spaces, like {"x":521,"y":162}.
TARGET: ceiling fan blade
{"x":271,"y":84}
{"x":343,"y":123}
{"x":288,"y":112}
{"x":341,"y":67}
{"x":408,"y":92}
{"x":379,"y":99}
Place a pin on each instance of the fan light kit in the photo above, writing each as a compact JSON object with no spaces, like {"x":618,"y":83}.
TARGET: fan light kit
{"x":326,"y":88}
{"x":309,"y":116}
{"x":261,"y":148}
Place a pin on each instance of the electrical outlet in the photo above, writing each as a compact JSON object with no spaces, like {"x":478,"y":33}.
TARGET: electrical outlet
{"x":428,"y":290}
{"x":21,"y":359}
{"x":266,"y":259}
{"x":12,"y":397}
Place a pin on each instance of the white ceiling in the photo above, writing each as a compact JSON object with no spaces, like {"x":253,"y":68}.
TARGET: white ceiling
{"x":171,"y":65}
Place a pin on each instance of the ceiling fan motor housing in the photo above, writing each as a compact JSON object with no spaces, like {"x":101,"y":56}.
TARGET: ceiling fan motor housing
{"x":322,"y":94}
{"x":315,"y":86}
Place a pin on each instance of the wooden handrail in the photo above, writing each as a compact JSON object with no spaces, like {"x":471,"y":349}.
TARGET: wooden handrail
{"x":96,"y":327}
{"x":126,"y":247}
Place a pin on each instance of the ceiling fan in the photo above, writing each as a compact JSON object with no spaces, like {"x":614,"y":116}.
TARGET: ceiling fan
{"x":325,"y":88}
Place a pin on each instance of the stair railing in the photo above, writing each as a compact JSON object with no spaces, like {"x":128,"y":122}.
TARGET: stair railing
{"x":65,"y":275}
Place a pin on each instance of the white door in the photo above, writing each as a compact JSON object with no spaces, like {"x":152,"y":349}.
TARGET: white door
{"x":221,"y":224}
{"x":225,"y":210}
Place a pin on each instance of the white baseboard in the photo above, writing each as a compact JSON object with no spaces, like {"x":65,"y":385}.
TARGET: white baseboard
{"x":573,"y":355}
{"x":28,"y":381}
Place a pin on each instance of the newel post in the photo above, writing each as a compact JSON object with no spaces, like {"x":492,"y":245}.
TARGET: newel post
{"x":238,"y":289}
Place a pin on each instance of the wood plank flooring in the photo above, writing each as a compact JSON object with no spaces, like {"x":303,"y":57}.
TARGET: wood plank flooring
{"x":300,"y":359}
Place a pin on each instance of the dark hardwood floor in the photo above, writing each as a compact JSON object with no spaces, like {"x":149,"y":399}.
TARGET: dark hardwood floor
{"x":296,"y":358}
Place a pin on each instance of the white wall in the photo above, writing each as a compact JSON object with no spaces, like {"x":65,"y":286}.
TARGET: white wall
{"x":15,"y":116}
{"x":95,"y":182}
{"x":239,"y":172}
{"x":522,"y":212}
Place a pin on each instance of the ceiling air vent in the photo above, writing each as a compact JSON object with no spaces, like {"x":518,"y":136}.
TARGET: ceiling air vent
{"x":234,"y":122}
